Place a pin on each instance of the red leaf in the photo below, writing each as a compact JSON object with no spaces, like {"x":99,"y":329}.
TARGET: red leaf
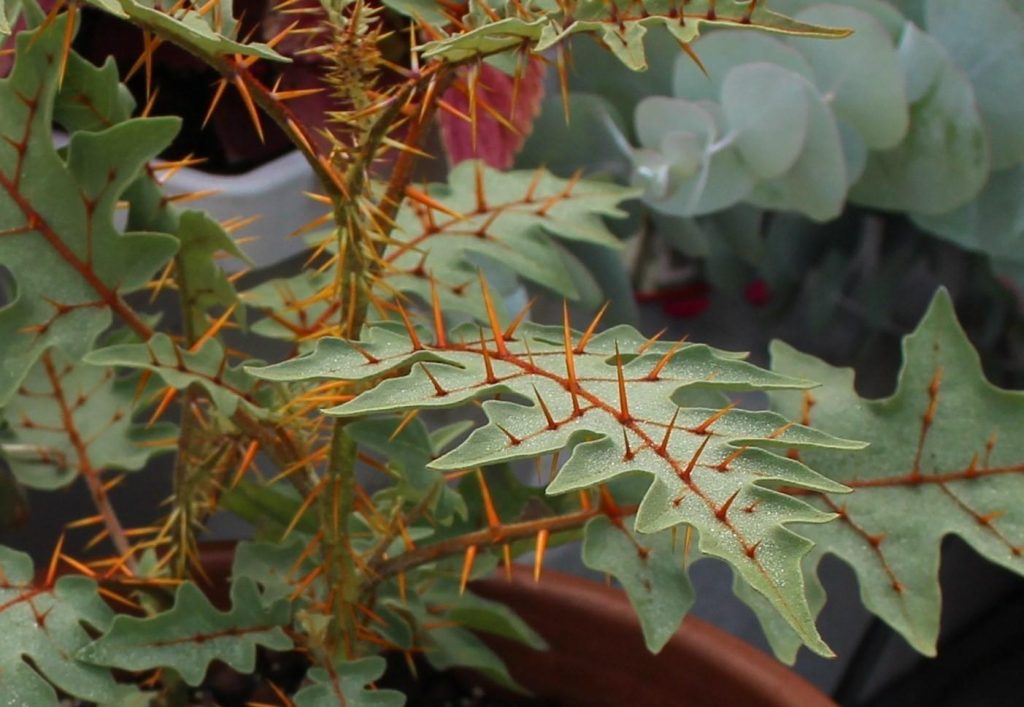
{"x":496,"y":144}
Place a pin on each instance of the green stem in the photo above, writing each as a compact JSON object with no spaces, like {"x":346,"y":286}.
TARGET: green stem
{"x":335,"y":508}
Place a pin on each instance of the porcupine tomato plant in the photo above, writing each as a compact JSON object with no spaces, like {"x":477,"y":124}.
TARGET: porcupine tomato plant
{"x":371,"y":511}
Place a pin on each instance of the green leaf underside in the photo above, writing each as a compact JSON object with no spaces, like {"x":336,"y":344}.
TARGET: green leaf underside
{"x":650,"y":569}
{"x":620,"y":25}
{"x":712,"y":469}
{"x":46,"y":625}
{"x":946,"y":457}
{"x":344,"y":685}
{"x":210,"y":34}
{"x":193,"y":633}
{"x":207,"y":367}
{"x":507,"y":218}
{"x":69,"y":418}
{"x":57,"y":229}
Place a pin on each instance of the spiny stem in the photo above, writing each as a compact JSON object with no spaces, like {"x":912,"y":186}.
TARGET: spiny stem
{"x":486,"y":537}
{"x":335,"y":507}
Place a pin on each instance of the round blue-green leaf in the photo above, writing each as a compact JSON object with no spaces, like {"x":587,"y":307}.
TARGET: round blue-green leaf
{"x":816,"y":184}
{"x":766,"y":108}
{"x":986,"y":40}
{"x":666,"y":169}
{"x":861,"y":76}
{"x":725,"y":50}
{"x":944,"y":160}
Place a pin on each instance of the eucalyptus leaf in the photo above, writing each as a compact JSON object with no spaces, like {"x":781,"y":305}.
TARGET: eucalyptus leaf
{"x":944,"y":160}
{"x":986,"y":40}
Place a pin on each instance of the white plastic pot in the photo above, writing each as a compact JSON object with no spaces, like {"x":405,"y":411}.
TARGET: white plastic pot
{"x":276,"y":191}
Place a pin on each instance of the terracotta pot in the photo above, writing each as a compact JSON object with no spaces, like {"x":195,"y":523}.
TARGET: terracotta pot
{"x":597,"y":656}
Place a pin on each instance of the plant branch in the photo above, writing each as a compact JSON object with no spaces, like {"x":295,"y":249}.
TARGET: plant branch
{"x":489,"y":536}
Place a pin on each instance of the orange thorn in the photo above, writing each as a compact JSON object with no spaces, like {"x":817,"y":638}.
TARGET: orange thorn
{"x":521,"y":59}
{"x":217,"y":95}
{"x":624,"y":415}
{"x":440,"y":334}
{"x":653,"y":340}
{"x":162,"y":407}
{"x":441,"y":392}
{"x":492,"y":316}
{"x":478,"y":178}
{"x":506,"y":556}
{"x":538,"y":558}
{"x":688,"y":50}
{"x":589,"y":333}
{"x":629,"y":451}
{"x":250,"y":106}
{"x":472,"y":84}
{"x":147,"y":110}
{"x":570,"y":362}
{"x":467,"y":568}
{"x":406,"y":419}
{"x":531,"y":188}
{"x":724,"y":466}
{"x":723,"y":510}
{"x":663,"y":447}
{"x":493,"y":521}
{"x":608,"y":503}
{"x":563,"y":81}
{"x":214,"y":328}
{"x":414,"y":338}
{"x":660,"y":365}
{"x":702,"y":428}
{"x":403,"y":588}
{"x":304,"y":583}
{"x":243,"y":465}
{"x":296,"y":93}
{"x":544,"y":408}
{"x":51,"y":572}
{"x":84,"y":522}
{"x":688,"y":471}
{"x":306,"y":503}
{"x":276,"y":39}
{"x":510,"y":332}
{"x":69,"y":34}
{"x":512,"y":439}
{"x":488,"y":368}
{"x":430,"y":202}
{"x":585,"y":504}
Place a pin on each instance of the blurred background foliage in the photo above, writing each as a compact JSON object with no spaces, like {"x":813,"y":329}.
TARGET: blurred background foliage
{"x":817,"y":183}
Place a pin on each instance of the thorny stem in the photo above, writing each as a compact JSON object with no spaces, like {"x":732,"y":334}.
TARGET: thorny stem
{"x":186,"y":479}
{"x":336,"y":501}
{"x":359,"y":258}
{"x":355,"y":273}
{"x":486,"y":537}
{"x":401,"y":174}
{"x":335,"y":507}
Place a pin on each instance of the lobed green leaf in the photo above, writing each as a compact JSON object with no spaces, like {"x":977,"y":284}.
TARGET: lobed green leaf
{"x":946,"y":457}
{"x":712,"y":469}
